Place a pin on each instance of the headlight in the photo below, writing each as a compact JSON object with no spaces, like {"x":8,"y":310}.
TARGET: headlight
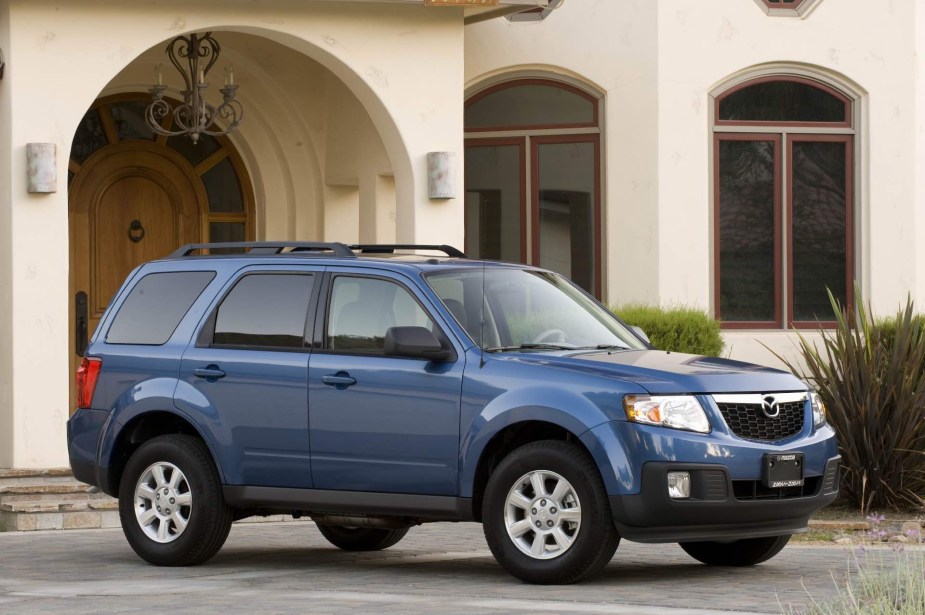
{"x":675,"y":411}
{"x":818,"y":409}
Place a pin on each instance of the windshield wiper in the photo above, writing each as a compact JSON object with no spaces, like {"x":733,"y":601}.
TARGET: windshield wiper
{"x":603,"y":347}
{"x":531,"y":347}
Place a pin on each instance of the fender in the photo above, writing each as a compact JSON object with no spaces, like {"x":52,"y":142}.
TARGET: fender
{"x":155,"y":395}
{"x":536,"y":404}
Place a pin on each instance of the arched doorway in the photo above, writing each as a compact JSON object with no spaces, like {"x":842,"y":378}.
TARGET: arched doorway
{"x":134,"y":196}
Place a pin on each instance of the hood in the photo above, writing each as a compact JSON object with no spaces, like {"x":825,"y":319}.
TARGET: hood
{"x":661,"y":372}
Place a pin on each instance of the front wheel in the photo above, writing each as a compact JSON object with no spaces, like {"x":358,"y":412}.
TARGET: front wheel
{"x":546,"y":516}
{"x":361,"y":538}
{"x":171,"y":504}
{"x":747,"y":552}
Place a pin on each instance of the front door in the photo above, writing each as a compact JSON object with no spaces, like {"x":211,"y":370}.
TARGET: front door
{"x":133,"y":203}
{"x":136,"y":196}
{"x":380,"y":423}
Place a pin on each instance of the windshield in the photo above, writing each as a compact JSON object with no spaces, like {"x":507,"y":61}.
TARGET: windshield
{"x":528,"y":310}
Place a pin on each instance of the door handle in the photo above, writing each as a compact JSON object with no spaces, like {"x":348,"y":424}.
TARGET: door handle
{"x":341,"y":380}
{"x":211,"y":372}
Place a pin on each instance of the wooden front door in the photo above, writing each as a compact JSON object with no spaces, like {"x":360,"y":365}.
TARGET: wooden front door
{"x":131,"y":202}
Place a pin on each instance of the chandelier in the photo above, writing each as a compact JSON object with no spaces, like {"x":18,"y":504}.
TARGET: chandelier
{"x":193,"y":57}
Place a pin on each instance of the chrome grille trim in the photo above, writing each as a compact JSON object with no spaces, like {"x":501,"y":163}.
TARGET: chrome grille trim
{"x":757,"y":398}
{"x":747,"y":414}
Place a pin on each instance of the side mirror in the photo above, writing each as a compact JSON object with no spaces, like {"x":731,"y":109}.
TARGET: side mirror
{"x":638,"y":331}
{"x":415,"y":343}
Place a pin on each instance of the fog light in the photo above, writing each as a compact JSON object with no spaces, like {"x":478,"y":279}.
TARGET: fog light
{"x":679,"y":485}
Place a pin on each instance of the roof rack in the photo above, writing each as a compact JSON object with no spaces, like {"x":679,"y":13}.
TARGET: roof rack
{"x":271,"y":247}
{"x":389,"y":248}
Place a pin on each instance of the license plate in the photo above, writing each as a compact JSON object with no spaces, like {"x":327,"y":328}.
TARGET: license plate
{"x":783,"y":470}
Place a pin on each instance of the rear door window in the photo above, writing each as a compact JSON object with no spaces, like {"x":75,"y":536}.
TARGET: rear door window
{"x":155,"y":306}
{"x":265,"y":311}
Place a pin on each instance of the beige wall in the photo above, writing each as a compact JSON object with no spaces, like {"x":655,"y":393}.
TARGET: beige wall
{"x":657,"y":62}
{"x":403,"y":64}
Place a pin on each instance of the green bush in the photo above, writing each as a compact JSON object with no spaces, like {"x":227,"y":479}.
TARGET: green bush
{"x":679,"y":329}
{"x":886,"y":328}
{"x":872,"y":381}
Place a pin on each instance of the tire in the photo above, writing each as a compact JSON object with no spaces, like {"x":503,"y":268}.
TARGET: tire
{"x":182,"y":465}
{"x":572,"y":544}
{"x":361,"y":538}
{"x":746,"y":552}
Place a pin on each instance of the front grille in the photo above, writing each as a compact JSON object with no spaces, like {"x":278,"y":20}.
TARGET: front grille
{"x":749,"y":421}
{"x":750,"y":490}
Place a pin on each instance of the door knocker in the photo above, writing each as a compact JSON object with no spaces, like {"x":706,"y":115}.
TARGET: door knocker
{"x":136,"y":232}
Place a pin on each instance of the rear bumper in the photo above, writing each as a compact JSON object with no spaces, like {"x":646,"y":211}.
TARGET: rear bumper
{"x":85,"y":430}
{"x":718,"y":509}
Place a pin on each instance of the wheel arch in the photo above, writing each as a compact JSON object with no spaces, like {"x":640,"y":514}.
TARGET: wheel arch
{"x":506,"y":441}
{"x":140,"y":429}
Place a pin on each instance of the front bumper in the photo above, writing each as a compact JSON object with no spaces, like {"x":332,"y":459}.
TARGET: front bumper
{"x":719,"y":508}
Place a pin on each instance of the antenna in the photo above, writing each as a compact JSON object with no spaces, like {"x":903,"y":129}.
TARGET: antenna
{"x":482,"y":321}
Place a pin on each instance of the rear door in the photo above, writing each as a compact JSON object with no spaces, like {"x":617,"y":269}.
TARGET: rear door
{"x":380,"y":423}
{"x":246,"y":375}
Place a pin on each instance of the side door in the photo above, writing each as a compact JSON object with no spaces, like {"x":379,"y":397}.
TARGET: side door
{"x":381,"y":423}
{"x":247,"y":375}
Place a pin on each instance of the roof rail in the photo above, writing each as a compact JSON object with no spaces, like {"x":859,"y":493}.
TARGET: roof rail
{"x":270,"y":247}
{"x":389,"y":248}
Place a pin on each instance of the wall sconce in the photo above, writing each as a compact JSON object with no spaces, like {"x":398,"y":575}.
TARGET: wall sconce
{"x":441,"y":175}
{"x":41,"y":167}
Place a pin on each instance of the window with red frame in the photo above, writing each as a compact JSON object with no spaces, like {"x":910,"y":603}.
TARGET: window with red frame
{"x":784,"y":200}
{"x":533,"y":187}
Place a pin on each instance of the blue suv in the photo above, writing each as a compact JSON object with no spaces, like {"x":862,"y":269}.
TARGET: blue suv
{"x":373,"y":388}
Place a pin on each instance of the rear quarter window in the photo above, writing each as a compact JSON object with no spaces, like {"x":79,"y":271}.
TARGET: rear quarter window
{"x":155,"y":306}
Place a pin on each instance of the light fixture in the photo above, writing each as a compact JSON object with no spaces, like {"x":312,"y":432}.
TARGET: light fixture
{"x":194,"y":116}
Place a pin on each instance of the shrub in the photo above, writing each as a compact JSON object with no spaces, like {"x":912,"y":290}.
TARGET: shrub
{"x":679,"y":329}
{"x":872,"y":381}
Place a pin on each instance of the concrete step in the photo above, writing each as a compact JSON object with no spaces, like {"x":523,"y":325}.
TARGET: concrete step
{"x":58,"y":514}
{"x":63,"y":491}
{"x":53,"y":476}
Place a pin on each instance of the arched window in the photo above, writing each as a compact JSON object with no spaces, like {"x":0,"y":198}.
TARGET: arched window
{"x":783,"y":151}
{"x":787,"y":8}
{"x":213,"y":160}
{"x":533,"y":177}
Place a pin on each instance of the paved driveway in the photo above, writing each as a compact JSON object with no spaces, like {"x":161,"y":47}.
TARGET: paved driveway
{"x":446,"y":568}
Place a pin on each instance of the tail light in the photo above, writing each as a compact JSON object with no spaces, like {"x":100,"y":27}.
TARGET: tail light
{"x":87,"y":374}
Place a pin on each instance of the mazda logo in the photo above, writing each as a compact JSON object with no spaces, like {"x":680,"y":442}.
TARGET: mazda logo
{"x":770,"y":407}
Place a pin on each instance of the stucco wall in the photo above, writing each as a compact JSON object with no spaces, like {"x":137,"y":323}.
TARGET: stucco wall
{"x":657,"y":62}
{"x":403,"y":63}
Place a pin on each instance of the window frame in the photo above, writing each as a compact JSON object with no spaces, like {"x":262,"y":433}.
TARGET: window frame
{"x":323,"y":317}
{"x":522,"y":143}
{"x":207,"y":332}
{"x":778,"y":229}
{"x":789,"y":132}
{"x":790,"y":79}
{"x":525,"y":81}
{"x":849,"y":225}
{"x":529,"y":136}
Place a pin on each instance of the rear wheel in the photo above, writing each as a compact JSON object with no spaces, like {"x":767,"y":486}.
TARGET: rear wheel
{"x":361,"y":538}
{"x":746,"y":552}
{"x":171,"y":504}
{"x":546,"y":515}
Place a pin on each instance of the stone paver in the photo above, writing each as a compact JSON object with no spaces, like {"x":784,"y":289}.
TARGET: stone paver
{"x":446,"y":568}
